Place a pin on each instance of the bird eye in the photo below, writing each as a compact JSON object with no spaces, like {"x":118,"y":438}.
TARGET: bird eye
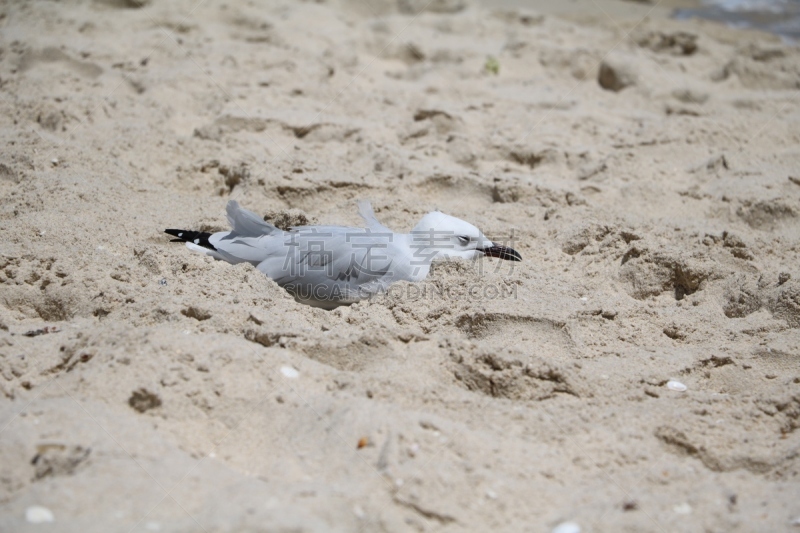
{"x":463,"y":240}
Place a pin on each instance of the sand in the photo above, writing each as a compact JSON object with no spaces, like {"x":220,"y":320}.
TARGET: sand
{"x":647,"y":170}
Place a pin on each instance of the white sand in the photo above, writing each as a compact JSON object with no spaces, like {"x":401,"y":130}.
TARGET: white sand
{"x":659,"y":226}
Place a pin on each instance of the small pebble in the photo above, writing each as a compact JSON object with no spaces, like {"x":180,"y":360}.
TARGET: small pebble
{"x":413,"y":450}
{"x":162,"y":282}
{"x":290,"y":372}
{"x":36,"y":514}
{"x":492,"y":495}
{"x":683,"y":508}
{"x":677,"y":386}
{"x":54,"y":161}
{"x":567,"y":527}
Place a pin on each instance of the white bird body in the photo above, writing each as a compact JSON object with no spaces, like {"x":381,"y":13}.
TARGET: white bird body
{"x":329,"y":266}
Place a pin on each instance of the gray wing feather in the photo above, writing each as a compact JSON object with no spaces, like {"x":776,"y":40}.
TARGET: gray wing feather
{"x":366,"y":212}
{"x":316,"y":263}
{"x":236,"y":249}
{"x":247,"y":223}
{"x":342,"y":264}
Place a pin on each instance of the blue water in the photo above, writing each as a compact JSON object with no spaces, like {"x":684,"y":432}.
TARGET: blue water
{"x":777,"y":16}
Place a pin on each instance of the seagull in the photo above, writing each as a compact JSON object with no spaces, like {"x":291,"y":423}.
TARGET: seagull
{"x":330,"y":266}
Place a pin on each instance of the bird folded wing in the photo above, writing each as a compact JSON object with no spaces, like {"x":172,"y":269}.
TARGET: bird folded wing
{"x":341,"y":261}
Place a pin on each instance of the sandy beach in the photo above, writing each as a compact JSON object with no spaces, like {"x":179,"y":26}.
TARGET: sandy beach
{"x":638,"y":371}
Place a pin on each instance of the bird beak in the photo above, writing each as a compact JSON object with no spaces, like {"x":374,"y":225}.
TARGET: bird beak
{"x":502,"y":252}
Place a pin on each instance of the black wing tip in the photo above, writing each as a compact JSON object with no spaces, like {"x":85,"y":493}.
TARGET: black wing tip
{"x":199,"y":238}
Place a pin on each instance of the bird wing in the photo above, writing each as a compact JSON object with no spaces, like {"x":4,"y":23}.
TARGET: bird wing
{"x":246,"y":223}
{"x":250,"y":239}
{"x":366,"y":212}
{"x":332,"y":262}
{"x":316,"y":263}
{"x":237,"y":249}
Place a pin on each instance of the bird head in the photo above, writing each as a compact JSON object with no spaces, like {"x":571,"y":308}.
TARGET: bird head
{"x":438,"y":235}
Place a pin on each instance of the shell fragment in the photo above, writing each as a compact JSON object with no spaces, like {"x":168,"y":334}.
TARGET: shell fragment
{"x":677,"y":386}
